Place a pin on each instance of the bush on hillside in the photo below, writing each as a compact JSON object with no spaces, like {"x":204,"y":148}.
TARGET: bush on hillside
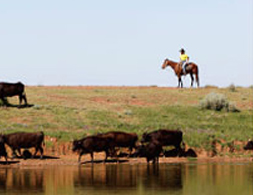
{"x":232,"y":88}
{"x":217,"y":102}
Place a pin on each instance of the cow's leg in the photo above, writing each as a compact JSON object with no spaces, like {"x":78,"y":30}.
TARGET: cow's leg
{"x":41,"y":152}
{"x":130,"y":149}
{"x":36,"y":150}
{"x":24,"y":97}
{"x":19,"y":152}
{"x":92,"y":157}
{"x":14,"y":154}
{"x":20,"y":99}
{"x":154,"y":160}
{"x":80,"y":155}
{"x":114,"y":152}
{"x":106,"y":155}
{"x":4,"y":100}
{"x":179,"y":150}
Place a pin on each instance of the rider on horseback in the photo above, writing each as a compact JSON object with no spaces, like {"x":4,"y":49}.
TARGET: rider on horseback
{"x":184,"y":59}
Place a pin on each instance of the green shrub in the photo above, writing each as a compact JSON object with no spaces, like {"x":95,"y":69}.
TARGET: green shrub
{"x":232,"y":88}
{"x":217,"y":102}
{"x":232,"y":107}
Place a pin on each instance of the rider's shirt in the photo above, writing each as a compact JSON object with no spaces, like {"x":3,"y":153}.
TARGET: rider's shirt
{"x":183,"y":57}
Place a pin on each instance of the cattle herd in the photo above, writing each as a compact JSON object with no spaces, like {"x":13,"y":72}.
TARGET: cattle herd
{"x":150,"y":146}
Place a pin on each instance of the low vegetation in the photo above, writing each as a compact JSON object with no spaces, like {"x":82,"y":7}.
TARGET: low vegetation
{"x":67,"y":113}
{"x":217,"y":102}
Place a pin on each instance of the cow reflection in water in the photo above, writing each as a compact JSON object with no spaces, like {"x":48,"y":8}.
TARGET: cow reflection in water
{"x":25,"y":180}
{"x":158,"y":178}
{"x":109,"y":177}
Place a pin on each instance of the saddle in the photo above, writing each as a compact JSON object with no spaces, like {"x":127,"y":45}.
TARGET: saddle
{"x":186,"y":67}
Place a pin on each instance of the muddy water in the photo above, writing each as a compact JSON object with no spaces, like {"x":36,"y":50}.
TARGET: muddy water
{"x":178,"y":179}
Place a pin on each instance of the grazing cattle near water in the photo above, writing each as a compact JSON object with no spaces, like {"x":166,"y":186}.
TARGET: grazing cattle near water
{"x":93,"y":144}
{"x":164,"y":137}
{"x":2,"y":148}
{"x":249,"y":146}
{"x":121,"y":139}
{"x":151,"y":151}
{"x":19,"y":140}
{"x":12,"y":89}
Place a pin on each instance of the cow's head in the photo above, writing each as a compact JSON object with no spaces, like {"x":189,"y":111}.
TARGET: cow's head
{"x":140,"y":151}
{"x":145,"y":138}
{"x":77,"y":144}
{"x":249,"y":146}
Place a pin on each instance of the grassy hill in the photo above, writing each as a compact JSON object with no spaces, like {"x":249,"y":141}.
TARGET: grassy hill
{"x":72,"y":112}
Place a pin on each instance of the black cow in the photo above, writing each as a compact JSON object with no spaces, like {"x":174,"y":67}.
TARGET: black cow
{"x":171,"y":153}
{"x":19,"y":140}
{"x":164,"y":137}
{"x":12,"y":89}
{"x":191,"y":153}
{"x":249,"y":146}
{"x":2,"y":148}
{"x":92,"y":144}
{"x":122,"y":139}
{"x":151,"y":151}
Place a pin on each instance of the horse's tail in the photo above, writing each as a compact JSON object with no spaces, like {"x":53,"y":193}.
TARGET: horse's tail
{"x":197,"y":75}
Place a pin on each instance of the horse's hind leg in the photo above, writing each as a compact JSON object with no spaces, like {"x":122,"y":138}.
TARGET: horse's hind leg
{"x":192,"y":80}
{"x":197,"y":79}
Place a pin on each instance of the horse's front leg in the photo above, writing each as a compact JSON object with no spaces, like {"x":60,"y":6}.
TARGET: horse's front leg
{"x":180,"y":81}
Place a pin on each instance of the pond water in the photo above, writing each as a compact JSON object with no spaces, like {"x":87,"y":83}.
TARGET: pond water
{"x":175,"y":179}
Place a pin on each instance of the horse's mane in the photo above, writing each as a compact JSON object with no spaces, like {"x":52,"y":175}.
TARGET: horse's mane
{"x":171,"y":60}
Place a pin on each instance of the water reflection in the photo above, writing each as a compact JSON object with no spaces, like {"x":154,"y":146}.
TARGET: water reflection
{"x":129,"y":176}
{"x":21,"y":180}
{"x":125,"y":178}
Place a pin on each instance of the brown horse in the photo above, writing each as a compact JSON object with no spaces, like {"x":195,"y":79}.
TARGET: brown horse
{"x":191,"y":69}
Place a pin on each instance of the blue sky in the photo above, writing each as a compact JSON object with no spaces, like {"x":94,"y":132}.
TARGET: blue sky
{"x":125,"y":42}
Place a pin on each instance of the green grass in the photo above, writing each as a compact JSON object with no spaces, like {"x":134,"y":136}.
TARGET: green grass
{"x":72,"y":112}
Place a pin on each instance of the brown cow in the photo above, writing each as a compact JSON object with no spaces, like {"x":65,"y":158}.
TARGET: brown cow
{"x":122,"y":139}
{"x":164,"y":137}
{"x":12,"y":89}
{"x":19,"y":140}
{"x":2,"y":148}
{"x":92,"y":144}
{"x":151,"y":151}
